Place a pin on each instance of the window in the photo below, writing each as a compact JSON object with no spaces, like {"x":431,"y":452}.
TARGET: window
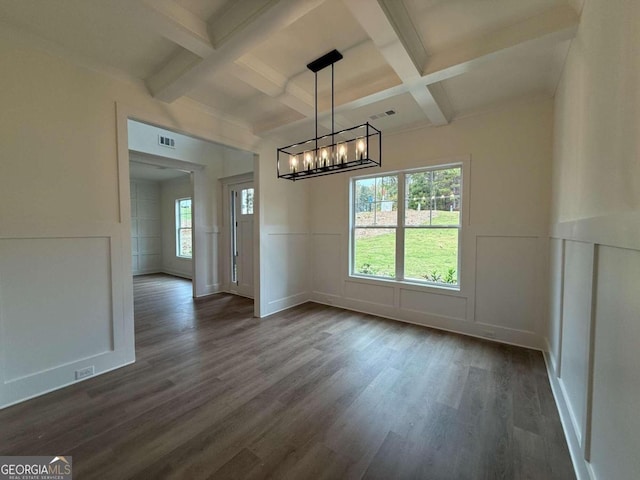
{"x":246,"y":201}
{"x":416,"y":239}
{"x":183,"y":227}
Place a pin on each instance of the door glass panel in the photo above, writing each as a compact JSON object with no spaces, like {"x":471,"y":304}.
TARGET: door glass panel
{"x":234,"y":239}
{"x":246,"y":202}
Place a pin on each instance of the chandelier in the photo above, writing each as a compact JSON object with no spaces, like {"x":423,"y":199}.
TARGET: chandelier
{"x":345,"y":150}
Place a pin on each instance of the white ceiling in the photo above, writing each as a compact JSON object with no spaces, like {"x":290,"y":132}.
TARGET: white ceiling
{"x":429,"y":60}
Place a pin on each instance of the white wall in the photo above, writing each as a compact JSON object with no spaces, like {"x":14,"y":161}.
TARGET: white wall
{"x":594,"y":328}
{"x":170,"y":191}
{"x":504,"y":236}
{"x":65,"y":245}
{"x":283,"y":216}
{"x":146,"y":227}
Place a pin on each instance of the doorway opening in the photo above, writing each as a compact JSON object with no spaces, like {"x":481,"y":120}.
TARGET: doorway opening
{"x":162,"y":230}
{"x":190,"y":241}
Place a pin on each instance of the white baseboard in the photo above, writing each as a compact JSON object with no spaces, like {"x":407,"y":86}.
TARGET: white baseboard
{"x":492,"y":333}
{"x":59,"y":387}
{"x":285,"y":303}
{"x":176,"y":273}
{"x":152,"y":271}
{"x":211,"y":290}
{"x":580,"y":465}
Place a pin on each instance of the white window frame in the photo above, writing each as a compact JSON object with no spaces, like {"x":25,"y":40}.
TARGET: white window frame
{"x":400,"y":227}
{"x":178,"y":228}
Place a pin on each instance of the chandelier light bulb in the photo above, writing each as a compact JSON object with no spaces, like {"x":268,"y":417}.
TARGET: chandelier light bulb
{"x":342,"y":153}
{"x":360,"y":148}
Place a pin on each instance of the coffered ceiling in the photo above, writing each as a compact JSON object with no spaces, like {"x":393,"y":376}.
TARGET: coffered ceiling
{"x":428,"y":60}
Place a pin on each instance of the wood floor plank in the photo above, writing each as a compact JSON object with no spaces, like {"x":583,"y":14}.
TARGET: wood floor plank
{"x":312,"y":392}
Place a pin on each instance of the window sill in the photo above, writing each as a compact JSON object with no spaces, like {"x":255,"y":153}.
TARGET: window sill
{"x":454,"y":291}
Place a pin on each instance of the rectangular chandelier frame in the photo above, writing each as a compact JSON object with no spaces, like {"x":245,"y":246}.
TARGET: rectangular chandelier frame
{"x":346,"y":150}
{"x":349,"y":149}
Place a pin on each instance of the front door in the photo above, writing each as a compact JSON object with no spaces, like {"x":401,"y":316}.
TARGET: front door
{"x":241,"y":203}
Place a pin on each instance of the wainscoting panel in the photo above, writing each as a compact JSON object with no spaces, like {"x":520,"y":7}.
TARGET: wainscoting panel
{"x":146,"y":240}
{"x":576,"y":320}
{"x":214,"y":284}
{"x":616,"y":373}
{"x":148,"y":227}
{"x":556,"y":288}
{"x":293,"y":266}
{"x":433,"y":304}
{"x":509,"y":276}
{"x":60,"y":310}
{"x":507,"y":282}
{"x":372,"y":294}
{"x":149,"y":245}
{"x":327,"y":265}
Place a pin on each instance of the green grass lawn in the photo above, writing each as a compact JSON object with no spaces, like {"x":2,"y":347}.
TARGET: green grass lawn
{"x":427,"y":252}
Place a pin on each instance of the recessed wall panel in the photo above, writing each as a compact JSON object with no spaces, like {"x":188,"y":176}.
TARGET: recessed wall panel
{"x":327,"y":267}
{"x":366,"y":292}
{"x":147,"y":209}
{"x":506,"y":282}
{"x":290,"y":267}
{"x":149,"y":263}
{"x":556,"y":264}
{"x":55,"y":302}
{"x":616,"y":376}
{"x":146,"y":227}
{"x":149,"y":245}
{"x":434,"y":304}
{"x":576,"y":320}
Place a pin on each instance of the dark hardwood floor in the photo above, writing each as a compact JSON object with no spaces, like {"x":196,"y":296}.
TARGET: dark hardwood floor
{"x":314,"y":392}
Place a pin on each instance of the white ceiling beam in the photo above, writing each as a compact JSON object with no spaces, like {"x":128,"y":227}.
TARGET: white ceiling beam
{"x":242,"y":26}
{"x":287,"y":91}
{"x":552,"y":27}
{"x":428,"y":102}
{"x":389,"y":25}
{"x":403,"y":30}
{"x":269,"y":81}
{"x":179,"y":25}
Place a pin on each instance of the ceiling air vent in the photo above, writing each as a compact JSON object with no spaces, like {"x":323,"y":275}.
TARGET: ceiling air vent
{"x":388,"y":113}
{"x":166,"y":141}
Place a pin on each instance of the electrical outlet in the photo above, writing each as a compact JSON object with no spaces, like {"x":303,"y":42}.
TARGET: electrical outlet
{"x":85,"y":372}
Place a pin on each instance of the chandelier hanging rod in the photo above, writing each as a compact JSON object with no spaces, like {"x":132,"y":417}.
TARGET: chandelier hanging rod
{"x":328,"y":59}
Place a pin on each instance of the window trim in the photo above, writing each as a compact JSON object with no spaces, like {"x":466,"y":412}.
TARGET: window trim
{"x":179,"y":228}
{"x":464,"y":164}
